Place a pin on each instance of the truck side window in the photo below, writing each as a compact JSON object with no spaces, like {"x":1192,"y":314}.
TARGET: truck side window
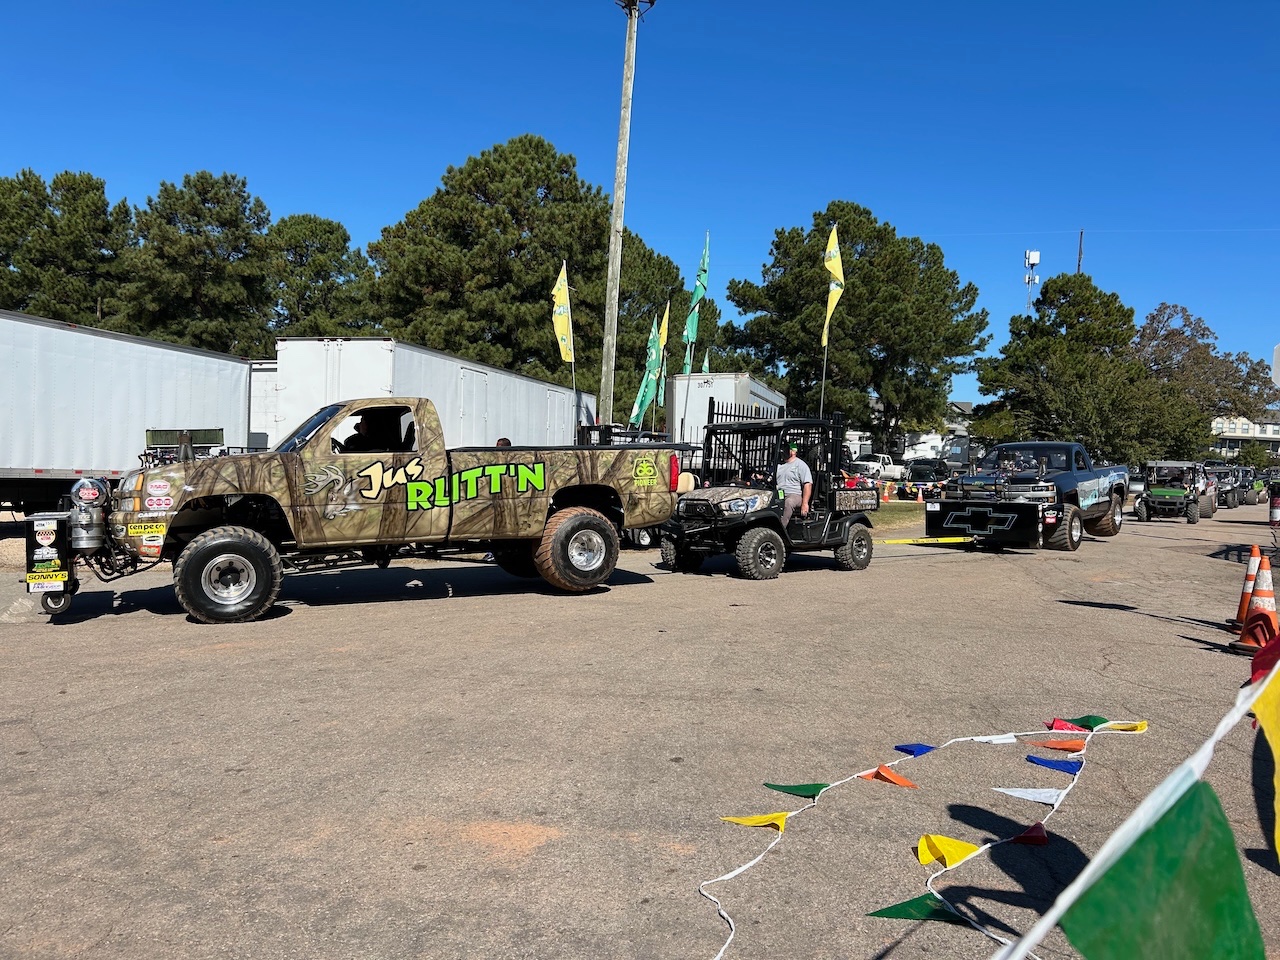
{"x":378,"y":430}
{"x":1080,"y":463}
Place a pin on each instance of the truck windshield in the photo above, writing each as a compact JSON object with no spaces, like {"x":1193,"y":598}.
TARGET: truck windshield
{"x":1024,"y":458}
{"x":298,"y":438}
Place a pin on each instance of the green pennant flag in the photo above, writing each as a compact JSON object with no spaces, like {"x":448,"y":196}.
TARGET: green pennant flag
{"x":1089,"y":722}
{"x":699,"y":294}
{"x":662,"y":383}
{"x":1178,"y":893}
{"x":706,"y":361}
{"x":652,"y":363}
{"x":927,"y":907}
{"x":806,"y":790}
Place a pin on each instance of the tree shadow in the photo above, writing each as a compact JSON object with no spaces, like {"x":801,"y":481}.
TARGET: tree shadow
{"x":1264,"y":798}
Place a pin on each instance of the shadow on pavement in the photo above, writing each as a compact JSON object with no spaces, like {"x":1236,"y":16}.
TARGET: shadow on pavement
{"x":1239,"y":552}
{"x":331,"y":587}
{"x":1264,"y":798}
{"x":1129,"y":608}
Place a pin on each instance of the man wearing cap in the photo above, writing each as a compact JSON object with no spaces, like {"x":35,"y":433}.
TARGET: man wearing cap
{"x":795,"y":483}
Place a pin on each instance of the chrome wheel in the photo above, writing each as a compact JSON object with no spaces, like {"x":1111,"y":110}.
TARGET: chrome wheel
{"x":228,"y":578}
{"x":586,"y":550}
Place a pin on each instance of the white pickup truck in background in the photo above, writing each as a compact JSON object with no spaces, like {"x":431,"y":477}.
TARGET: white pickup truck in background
{"x":880,"y":466}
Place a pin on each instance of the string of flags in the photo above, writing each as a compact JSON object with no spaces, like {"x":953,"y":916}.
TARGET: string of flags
{"x":932,"y":848}
{"x":1168,"y":882}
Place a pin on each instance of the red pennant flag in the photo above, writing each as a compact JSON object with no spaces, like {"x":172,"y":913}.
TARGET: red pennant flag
{"x":1033,"y":835}
{"x":888,"y":776}
{"x":1064,"y":725}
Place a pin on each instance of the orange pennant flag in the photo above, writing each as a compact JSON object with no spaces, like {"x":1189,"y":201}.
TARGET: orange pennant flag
{"x":888,"y":776}
{"x":776,"y":820}
{"x":1074,"y":746}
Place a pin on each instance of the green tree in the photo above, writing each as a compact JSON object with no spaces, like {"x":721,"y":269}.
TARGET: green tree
{"x":904,"y":326}
{"x":1191,"y":383}
{"x":469,"y":271}
{"x":199,"y":274}
{"x":1255,"y":454}
{"x":320,"y":284}
{"x":60,"y":244}
{"x":1068,"y":373}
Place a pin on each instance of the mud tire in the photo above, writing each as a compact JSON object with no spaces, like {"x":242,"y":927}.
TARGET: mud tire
{"x":677,"y":559}
{"x":1108,"y":525}
{"x":1193,"y":511}
{"x":760,"y":554}
{"x":228,"y":575}
{"x":855,"y":553}
{"x":1070,"y":531}
{"x":516,"y":558}
{"x":578,"y":551}
{"x":1140,"y":511}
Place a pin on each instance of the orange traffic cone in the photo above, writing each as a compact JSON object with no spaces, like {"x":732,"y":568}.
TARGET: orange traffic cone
{"x":1260,"y":624}
{"x":1236,"y":624}
{"x":884,"y":497}
{"x":919,"y":494}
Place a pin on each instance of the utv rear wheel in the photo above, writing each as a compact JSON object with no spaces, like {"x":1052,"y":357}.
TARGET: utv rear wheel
{"x":228,"y":575}
{"x":579,"y":549}
{"x":855,"y":553}
{"x":516,"y":558}
{"x":1109,"y":524}
{"x":1193,"y":511}
{"x":1070,"y":530}
{"x":677,"y":559}
{"x":760,"y":554}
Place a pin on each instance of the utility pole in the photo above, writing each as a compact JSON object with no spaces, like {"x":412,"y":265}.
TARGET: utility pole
{"x":632,"y":9}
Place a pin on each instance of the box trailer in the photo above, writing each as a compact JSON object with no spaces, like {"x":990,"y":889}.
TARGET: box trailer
{"x":476,"y":403}
{"x":79,"y":402}
{"x":688,"y":397}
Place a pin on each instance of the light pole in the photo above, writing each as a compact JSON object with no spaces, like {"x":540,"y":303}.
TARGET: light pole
{"x":632,"y":9}
{"x":1031,"y":259}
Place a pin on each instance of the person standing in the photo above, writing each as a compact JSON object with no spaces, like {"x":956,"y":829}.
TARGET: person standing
{"x":795,"y":483}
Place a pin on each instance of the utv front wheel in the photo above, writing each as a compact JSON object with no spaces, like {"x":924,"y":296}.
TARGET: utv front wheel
{"x":228,"y":575}
{"x":677,"y":559}
{"x":760,"y":554}
{"x":1140,"y":511}
{"x":855,"y":553}
{"x":579,"y":549}
{"x":1193,"y":511}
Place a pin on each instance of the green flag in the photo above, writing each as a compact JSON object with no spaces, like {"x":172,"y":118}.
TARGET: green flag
{"x":706,"y":361}
{"x":652,"y":364}
{"x":699,"y":294}
{"x":662,"y":382}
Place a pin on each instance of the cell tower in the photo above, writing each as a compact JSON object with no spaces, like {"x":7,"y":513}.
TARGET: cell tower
{"x":1031,"y":260}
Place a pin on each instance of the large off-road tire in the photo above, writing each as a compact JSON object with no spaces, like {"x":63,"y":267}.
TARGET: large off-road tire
{"x":1109,"y":524}
{"x":1251,"y":498}
{"x":1141,"y":511}
{"x":761,"y":554}
{"x":1070,"y":530}
{"x":855,"y":553}
{"x":1213,"y":505}
{"x":579,"y":549}
{"x":228,"y":575}
{"x":1193,"y":511}
{"x":677,"y":559}
{"x":516,"y":558}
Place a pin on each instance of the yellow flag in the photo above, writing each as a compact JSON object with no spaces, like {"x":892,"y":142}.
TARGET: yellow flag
{"x":1137,"y":726}
{"x":662,"y":332}
{"x":934,"y":846}
{"x":776,"y":820}
{"x":831,"y":260}
{"x":1267,"y":709}
{"x":560,"y":316}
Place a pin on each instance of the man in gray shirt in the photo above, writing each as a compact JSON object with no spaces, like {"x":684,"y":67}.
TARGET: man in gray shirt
{"x":795,"y":482}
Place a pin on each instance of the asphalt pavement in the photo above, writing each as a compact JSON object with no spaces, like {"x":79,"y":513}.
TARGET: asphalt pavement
{"x":437,"y":760}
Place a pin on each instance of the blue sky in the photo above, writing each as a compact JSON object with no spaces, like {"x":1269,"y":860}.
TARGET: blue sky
{"x":988,"y":128}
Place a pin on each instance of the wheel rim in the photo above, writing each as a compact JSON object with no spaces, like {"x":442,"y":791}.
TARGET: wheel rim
{"x":228,"y":578}
{"x":586,"y":550}
{"x":1117,"y":514}
{"x":57,"y":602}
{"x":860,"y":548}
{"x":1077,"y":529}
{"x":767,"y":555}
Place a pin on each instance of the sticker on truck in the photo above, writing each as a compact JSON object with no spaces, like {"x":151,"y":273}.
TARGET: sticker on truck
{"x":645,"y":473}
{"x":145,"y":529}
{"x":58,"y":577}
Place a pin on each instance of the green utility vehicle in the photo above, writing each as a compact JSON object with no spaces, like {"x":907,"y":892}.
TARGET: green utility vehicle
{"x":1174,"y":488}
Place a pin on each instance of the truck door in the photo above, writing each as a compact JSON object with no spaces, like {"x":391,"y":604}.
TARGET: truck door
{"x":358,"y":476}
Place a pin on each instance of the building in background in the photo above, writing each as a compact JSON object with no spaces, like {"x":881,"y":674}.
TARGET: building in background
{"x":1231,"y":433}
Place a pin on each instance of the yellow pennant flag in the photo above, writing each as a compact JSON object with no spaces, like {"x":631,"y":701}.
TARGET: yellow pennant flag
{"x":1138,"y":726}
{"x":831,"y":260}
{"x":560,"y":316}
{"x":776,"y":820}
{"x":662,"y":331}
{"x":1267,"y":709}
{"x":934,"y":846}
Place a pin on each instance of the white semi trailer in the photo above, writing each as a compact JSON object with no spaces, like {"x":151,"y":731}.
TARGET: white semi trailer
{"x":477,"y":403}
{"x":688,"y":397}
{"x":78,"y":402}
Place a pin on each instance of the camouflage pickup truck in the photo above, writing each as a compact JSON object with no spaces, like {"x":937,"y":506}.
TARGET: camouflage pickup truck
{"x":364,"y":481}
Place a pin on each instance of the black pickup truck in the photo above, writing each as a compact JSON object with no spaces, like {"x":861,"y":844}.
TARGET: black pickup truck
{"x":1031,"y":494}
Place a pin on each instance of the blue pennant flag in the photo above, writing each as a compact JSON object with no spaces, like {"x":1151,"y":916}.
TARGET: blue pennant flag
{"x":915,"y":749}
{"x":1065,"y":766}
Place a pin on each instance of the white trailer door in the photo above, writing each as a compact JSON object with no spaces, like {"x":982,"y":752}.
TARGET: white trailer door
{"x":557,"y":419}
{"x":474,"y":412}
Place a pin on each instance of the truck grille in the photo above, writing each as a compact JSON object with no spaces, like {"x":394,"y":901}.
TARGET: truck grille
{"x":701,"y":509}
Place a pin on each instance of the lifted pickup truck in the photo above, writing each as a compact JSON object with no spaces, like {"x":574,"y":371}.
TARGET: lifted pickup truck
{"x":1031,"y":494}
{"x":364,"y":481}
